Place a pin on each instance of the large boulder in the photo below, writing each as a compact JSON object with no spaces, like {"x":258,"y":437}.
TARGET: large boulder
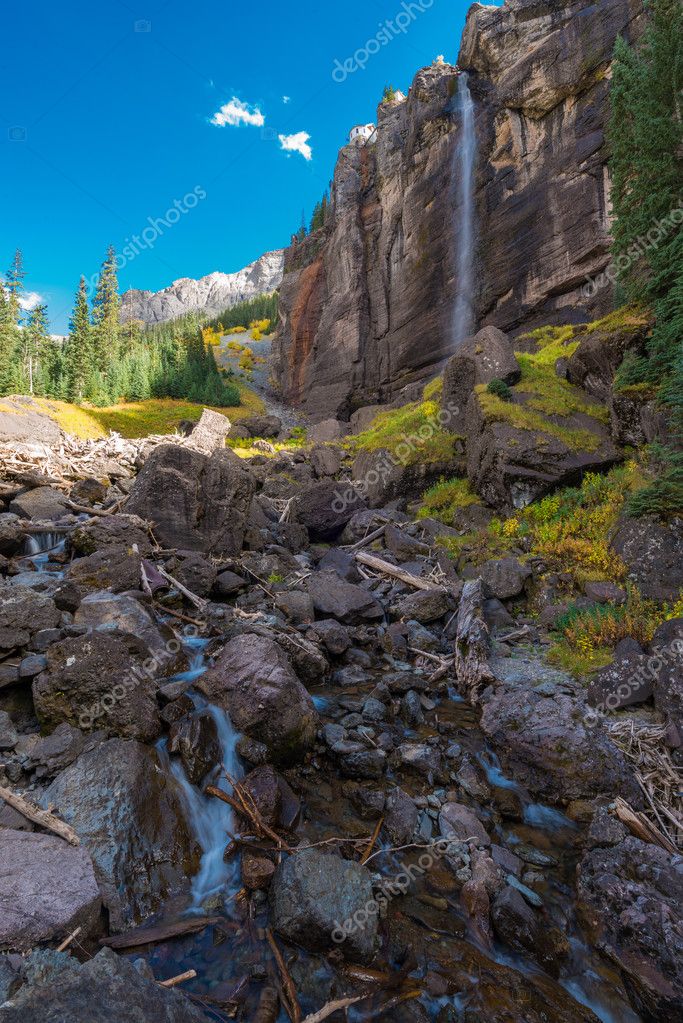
{"x":632,"y":894}
{"x":524,"y":930}
{"x":553,"y":743}
{"x":487,"y":356}
{"x":105,"y":610}
{"x":112,"y":568}
{"x":344,"y":601}
{"x":23,"y":612}
{"x":624,"y":682}
{"x":323,"y":902}
{"x":56,"y":988}
{"x":666,"y":664}
{"x":325,"y":507}
{"x":256,"y":426}
{"x":505,"y":577}
{"x":384,"y":475}
{"x":130,"y":816}
{"x":110,"y":531}
{"x":101,"y":679}
{"x":41,"y":503}
{"x":195,"y":502}
{"x":47,"y":889}
{"x":12,"y":534}
{"x":515,"y":458}
{"x":252,"y":679}
{"x":600,"y":353}
{"x":653,"y":553}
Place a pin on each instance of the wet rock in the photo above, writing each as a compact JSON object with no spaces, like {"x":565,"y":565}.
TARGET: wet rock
{"x":47,"y":889}
{"x":653,"y":553}
{"x":111,"y":531}
{"x":257,"y":871}
{"x":11,"y":534}
{"x":196,"y":502}
{"x":194,"y":572}
{"x":633,"y":894}
{"x":553,"y":743}
{"x":253,"y":681}
{"x":89,"y":491}
{"x":263,"y":785}
{"x":424,"y":606}
{"x":357,"y":761}
{"x":524,"y":930}
{"x":228,"y":584}
{"x":113,"y":568}
{"x":400,"y":818}
{"x":470,"y":779}
{"x":505,"y":577}
{"x":100,"y":679}
{"x":605,"y":829}
{"x":321,"y":901}
{"x":196,"y":740}
{"x":419,"y":757}
{"x":67,"y":596}
{"x":332,"y":635}
{"x":105,"y":611}
{"x":344,"y":601}
{"x":59,"y":989}
{"x":23,"y":612}
{"x":308,"y":662}
{"x":43,"y":504}
{"x":130,"y":817}
{"x":53,"y":752}
{"x":459,"y":822}
{"x":325,"y":507}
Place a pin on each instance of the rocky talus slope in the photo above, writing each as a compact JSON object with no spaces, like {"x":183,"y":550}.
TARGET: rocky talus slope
{"x":366,"y":302}
{"x":422,"y":814}
{"x":211,"y":294}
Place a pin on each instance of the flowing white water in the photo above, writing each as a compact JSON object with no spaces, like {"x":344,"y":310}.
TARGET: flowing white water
{"x":209,"y":818}
{"x":463,"y":170}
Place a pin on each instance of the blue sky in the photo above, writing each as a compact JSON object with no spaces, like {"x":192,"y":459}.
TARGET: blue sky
{"x":107,"y":125}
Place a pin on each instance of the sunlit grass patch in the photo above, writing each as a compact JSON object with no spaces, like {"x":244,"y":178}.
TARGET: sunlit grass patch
{"x":445,"y":498}
{"x":413,"y":428}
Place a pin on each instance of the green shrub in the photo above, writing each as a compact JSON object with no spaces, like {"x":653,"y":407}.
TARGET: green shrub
{"x":500,"y":389}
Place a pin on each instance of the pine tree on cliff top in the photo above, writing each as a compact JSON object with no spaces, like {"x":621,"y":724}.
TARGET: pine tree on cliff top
{"x":646,"y":136}
{"x":78,"y":351}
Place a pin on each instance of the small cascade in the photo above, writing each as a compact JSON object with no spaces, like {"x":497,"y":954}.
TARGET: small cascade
{"x":463,"y":172}
{"x":39,"y":546}
{"x":209,"y":818}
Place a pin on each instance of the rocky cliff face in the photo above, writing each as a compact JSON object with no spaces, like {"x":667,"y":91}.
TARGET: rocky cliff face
{"x":211,"y":294}
{"x":366,"y":303}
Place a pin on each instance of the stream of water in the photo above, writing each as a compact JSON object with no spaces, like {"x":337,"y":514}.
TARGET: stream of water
{"x":463,"y":172}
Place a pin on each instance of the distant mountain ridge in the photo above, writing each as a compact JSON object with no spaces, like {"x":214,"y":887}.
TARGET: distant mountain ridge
{"x":211,"y":294}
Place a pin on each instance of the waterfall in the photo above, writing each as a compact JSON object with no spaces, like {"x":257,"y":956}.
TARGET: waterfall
{"x":463,"y":171}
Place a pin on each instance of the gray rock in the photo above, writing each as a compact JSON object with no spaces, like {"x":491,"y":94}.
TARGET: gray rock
{"x":459,"y":822}
{"x":323,"y":902}
{"x":344,"y":601}
{"x":326,"y":461}
{"x":42,"y":503}
{"x":130,"y":817}
{"x":400,"y":819}
{"x":8,"y":733}
{"x":326,"y":431}
{"x":194,"y":572}
{"x":419,"y":757}
{"x":653,"y":553}
{"x":23,"y":612}
{"x":195,"y":738}
{"x":104,"y":679}
{"x":103,"y":989}
{"x":524,"y":930}
{"x":604,"y":593}
{"x":626,"y":681}
{"x":252,"y":679}
{"x":111,"y":531}
{"x":105,"y":611}
{"x":334,"y":637}
{"x":12,"y":534}
{"x":666,"y":663}
{"x":325,"y":507}
{"x":196,"y":502}
{"x":112,"y":568}
{"x":297,"y":606}
{"x":424,"y":606}
{"x":505,"y":577}
{"x":228,"y":584}
{"x":47,"y":889}
{"x":480,"y":359}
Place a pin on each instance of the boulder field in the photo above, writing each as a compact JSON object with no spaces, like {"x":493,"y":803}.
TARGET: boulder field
{"x":421,"y":812}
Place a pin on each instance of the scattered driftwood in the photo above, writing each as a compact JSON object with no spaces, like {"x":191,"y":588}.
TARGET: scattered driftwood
{"x":69,"y":938}
{"x":472,"y":642}
{"x":641,"y":827}
{"x":660,"y":780}
{"x":163,"y":932}
{"x":174,"y":981}
{"x":268,"y":1006}
{"x":327,"y":1010}
{"x":198,"y":602}
{"x":41,"y":817}
{"x":386,"y":568}
{"x":291,"y":1001}
{"x":243,"y":803}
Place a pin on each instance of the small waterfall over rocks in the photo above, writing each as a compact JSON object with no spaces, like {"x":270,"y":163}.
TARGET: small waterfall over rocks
{"x":463,"y":173}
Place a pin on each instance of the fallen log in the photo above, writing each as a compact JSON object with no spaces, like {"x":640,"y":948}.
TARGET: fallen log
{"x":41,"y":817}
{"x":472,"y":641}
{"x":386,"y":568}
{"x":162,"y":932}
{"x":178,"y":979}
{"x":641,"y":827}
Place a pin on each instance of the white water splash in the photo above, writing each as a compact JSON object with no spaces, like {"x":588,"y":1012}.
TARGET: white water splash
{"x":463,"y":170}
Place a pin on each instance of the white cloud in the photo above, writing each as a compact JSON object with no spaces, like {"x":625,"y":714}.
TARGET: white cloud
{"x":30,"y":300}
{"x":236,"y":112}
{"x":286,"y":99}
{"x":297,"y":143}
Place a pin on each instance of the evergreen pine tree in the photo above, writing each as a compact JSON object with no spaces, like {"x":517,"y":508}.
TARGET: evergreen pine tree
{"x":78,"y":350}
{"x":105,"y":315}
